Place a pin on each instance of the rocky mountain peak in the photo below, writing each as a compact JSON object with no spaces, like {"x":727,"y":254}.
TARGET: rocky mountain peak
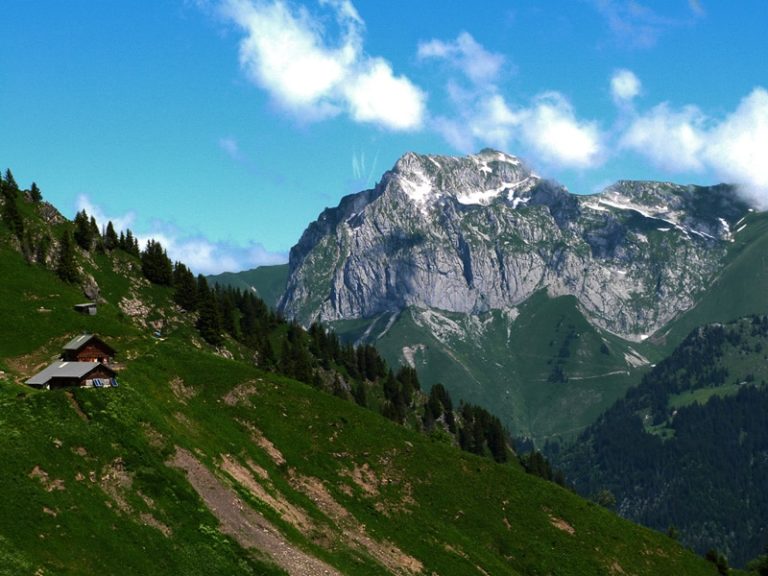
{"x":481,"y":232}
{"x":478,"y":179}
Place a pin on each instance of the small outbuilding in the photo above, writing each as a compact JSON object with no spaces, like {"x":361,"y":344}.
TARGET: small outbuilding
{"x":88,"y":348}
{"x":86,"y":309}
{"x":77,"y":374}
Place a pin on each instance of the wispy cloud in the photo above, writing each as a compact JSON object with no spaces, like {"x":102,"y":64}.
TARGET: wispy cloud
{"x":633,"y":23}
{"x":697,"y":8}
{"x":231,"y":148}
{"x":289,"y":53}
{"x":686,"y":139}
{"x":467,"y":55}
{"x":363,"y":172}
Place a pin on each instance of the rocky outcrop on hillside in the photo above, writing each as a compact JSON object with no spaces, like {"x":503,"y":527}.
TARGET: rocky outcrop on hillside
{"x":484,"y":232}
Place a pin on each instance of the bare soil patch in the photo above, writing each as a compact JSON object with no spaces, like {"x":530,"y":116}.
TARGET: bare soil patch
{"x":561,"y":524}
{"x":249,"y":528}
{"x":48,"y":483}
{"x":181,"y":390}
{"x":394,"y":559}
{"x":240,"y":394}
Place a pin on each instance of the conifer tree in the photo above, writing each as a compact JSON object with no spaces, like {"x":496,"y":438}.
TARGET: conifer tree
{"x":185,"y":287}
{"x":155,"y":264}
{"x":42,"y":249}
{"x":66,"y":267}
{"x":10,"y":182}
{"x":10,"y":213}
{"x":35,"y":194}
{"x":111,"y":241}
{"x":83,"y":231}
{"x":208,"y":322}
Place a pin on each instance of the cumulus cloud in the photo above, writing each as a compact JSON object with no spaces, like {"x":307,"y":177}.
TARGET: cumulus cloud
{"x":464,"y":53}
{"x":205,"y":257}
{"x":289,"y":53}
{"x":686,"y":139}
{"x":625,"y":86}
{"x":551,"y":128}
{"x":546,"y":127}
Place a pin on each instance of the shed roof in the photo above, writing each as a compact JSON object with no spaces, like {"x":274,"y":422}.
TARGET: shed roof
{"x":66,"y":370}
{"x":79,"y":341}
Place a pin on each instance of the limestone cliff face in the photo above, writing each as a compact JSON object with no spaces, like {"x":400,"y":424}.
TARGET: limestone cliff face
{"x":483,"y":232}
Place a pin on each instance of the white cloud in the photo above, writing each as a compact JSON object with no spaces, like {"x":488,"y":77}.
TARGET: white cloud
{"x":376,"y":95}
{"x":672,"y":139}
{"x":732,"y":148}
{"x":737,"y":147}
{"x":546,"y":128}
{"x":288,"y":53}
{"x":479,"y":65}
{"x":118,"y":222}
{"x":551,"y":128}
{"x":625,"y":86}
{"x":201,"y":255}
{"x":205,"y":257}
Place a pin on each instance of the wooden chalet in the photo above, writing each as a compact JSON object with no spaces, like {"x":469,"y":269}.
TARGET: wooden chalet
{"x":88,"y":348}
{"x":85,"y":362}
{"x":77,"y":374}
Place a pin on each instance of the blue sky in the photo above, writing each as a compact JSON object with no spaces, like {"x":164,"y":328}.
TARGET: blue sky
{"x":223,"y":127}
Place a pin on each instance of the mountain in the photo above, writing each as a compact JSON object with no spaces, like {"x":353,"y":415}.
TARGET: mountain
{"x":689,"y":446}
{"x":201,"y":462}
{"x":509,"y":289}
{"x":267,"y":282}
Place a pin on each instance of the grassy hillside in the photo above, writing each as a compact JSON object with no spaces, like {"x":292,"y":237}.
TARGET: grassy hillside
{"x":267,"y":281}
{"x":739,"y":290}
{"x":201,"y":464}
{"x":541,"y":368}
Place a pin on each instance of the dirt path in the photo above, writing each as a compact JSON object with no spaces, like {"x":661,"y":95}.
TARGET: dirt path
{"x":248,"y":527}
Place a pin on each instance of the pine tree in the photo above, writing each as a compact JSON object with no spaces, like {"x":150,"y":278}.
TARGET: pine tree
{"x":83,"y":231}
{"x":97,"y":242}
{"x":111,"y":241}
{"x":155,"y":264}
{"x":42,"y":249}
{"x":10,"y":182}
{"x":185,"y":287}
{"x":66,"y":267}
{"x":35,"y":194}
{"x":208,"y":322}
{"x":11,"y":214}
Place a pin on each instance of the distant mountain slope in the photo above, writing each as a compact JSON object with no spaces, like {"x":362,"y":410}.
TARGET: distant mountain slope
{"x":689,"y":446}
{"x":200,"y":463}
{"x":268,"y":282}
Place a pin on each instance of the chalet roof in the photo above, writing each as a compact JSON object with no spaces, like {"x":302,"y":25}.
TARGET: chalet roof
{"x":79,"y":341}
{"x":66,"y":370}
